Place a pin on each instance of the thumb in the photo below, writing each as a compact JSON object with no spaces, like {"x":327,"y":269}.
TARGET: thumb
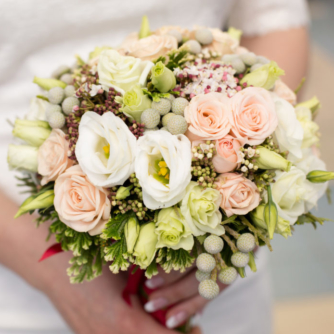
{"x":195,"y":330}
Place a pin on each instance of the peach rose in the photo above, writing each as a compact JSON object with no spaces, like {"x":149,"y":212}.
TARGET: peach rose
{"x":208,"y":117}
{"x":150,"y":47}
{"x":80,"y":205}
{"x":284,"y":92}
{"x":240,"y":195}
{"x":53,"y":156}
{"x":164,"y":30}
{"x":228,"y":154}
{"x":253,"y":115}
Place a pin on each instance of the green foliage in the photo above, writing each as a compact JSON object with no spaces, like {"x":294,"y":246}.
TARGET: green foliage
{"x":176,"y":58}
{"x":115,"y":226}
{"x":170,"y":259}
{"x":117,"y":253}
{"x":151,"y":270}
{"x":311,"y":219}
{"x":156,"y":96}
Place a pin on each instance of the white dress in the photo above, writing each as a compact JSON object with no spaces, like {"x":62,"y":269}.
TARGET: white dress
{"x":35,"y":37}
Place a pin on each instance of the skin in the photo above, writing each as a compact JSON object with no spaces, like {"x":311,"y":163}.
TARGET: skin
{"x":21,"y":244}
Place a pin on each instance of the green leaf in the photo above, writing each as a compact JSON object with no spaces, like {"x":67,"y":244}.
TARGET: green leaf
{"x":116,"y":253}
{"x":170,"y":259}
{"x":115,"y":227}
{"x":42,"y":97}
{"x":151,"y":270}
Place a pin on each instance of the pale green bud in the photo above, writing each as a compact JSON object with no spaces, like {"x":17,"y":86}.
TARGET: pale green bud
{"x":144,"y":28}
{"x":135,"y":102}
{"x":320,"y":176}
{"x":47,"y":84}
{"x":251,"y":262}
{"x":39,"y":201}
{"x":271,"y":160}
{"x":22,"y":157}
{"x":123,"y":192}
{"x":270,"y":217}
{"x":264,"y":77}
{"x":312,"y":104}
{"x":163,"y":78}
{"x":235,"y":33}
{"x":97,"y":51}
{"x":146,"y":245}
{"x":32,"y":132}
{"x":131,"y":232}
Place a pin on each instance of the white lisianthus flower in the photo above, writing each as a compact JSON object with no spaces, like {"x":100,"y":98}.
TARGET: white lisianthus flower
{"x":311,"y":129}
{"x":121,"y":72}
{"x":289,"y":132}
{"x":200,"y":207}
{"x":163,"y":168}
{"x":290,"y":193}
{"x":105,"y":149}
{"x":37,"y":110}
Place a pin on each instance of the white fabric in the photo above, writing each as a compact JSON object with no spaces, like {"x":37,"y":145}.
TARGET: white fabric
{"x":36,"y":36}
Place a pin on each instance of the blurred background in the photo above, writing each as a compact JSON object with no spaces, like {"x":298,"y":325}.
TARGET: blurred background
{"x":302,"y":267}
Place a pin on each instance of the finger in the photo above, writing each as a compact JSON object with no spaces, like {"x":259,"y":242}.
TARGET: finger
{"x":174,"y":293}
{"x":163,"y":279}
{"x":181,"y":312}
{"x":195,"y":330}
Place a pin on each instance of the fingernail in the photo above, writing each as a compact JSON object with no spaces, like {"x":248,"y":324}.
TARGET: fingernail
{"x":176,"y":320}
{"x":155,"y":282}
{"x":155,"y":304}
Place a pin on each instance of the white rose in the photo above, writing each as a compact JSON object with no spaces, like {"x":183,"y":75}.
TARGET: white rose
{"x":311,"y":129}
{"x":290,"y":193}
{"x":289,"y":132}
{"x":106,"y":149}
{"x":308,"y":163}
{"x":163,"y":168}
{"x":121,"y":72}
{"x":37,"y":110}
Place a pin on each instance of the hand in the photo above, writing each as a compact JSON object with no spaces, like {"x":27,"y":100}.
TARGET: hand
{"x":179,"y":290}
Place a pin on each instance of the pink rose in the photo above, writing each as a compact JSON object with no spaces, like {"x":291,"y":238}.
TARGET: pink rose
{"x":80,"y":205}
{"x":208,"y":117}
{"x":228,"y":154}
{"x":284,"y":92}
{"x":150,"y":47}
{"x":253,"y":116}
{"x":239,"y":195}
{"x":164,"y":30}
{"x":53,"y":156}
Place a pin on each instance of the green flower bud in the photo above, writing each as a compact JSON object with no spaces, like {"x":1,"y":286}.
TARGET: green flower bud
{"x":39,"y":201}
{"x":264,"y":77}
{"x":47,"y":84}
{"x":146,"y":245}
{"x":123,"y":192}
{"x":163,"y":78}
{"x":22,"y":157}
{"x":251,"y":262}
{"x":312,"y":104}
{"x":32,"y":132}
{"x":144,"y":28}
{"x":97,"y":51}
{"x":235,"y":33}
{"x":135,"y":102}
{"x":320,"y":176}
{"x":271,"y":160}
{"x":131,"y":231}
{"x":270,"y":214}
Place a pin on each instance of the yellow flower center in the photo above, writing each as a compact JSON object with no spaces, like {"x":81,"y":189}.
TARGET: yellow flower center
{"x":106,"y":150}
{"x":162,"y":171}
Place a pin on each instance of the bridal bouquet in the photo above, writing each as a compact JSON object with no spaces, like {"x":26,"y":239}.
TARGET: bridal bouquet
{"x":176,"y":147}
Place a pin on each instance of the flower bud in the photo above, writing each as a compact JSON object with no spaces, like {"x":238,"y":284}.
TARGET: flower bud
{"x":145,"y":248}
{"x":271,"y":160}
{"x":131,"y":231}
{"x":22,"y":157}
{"x":123,"y":192}
{"x":312,"y":104}
{"x":264,"y":77}
{"x":235,"y":33}
{"x":320,"y":176}
{"x":163,"y":78}
{"x":144,"y":28}
{"x":32,"y":132}
{"x":47,"y":84}
{"x":39,"y":201}
{"x":251,"y":262}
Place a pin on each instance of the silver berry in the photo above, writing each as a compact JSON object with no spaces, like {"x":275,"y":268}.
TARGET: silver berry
{"x":204,"y":36}
{"x":56,"y":95}
{"x":178,"y":105}
{"x":151,"y":118}
{"x":171,"y":98}
{"x":255,"y":67}
{"x":57,"y":120}
{"x":194,"y":46}
{"x":166,"y":118}
{"x":67,"y":78}
{"x":228,"y":275}
{"x":177,"y":125}
{"x":176,"y":34}
{"x":238,"y":65}
{"x":50,"y":109}
{"x":208,"y":289}
{"x":262,"y":60}
{"x":69,"y":103}
{"x":201,"y":276}
{"x":213,"y":244}
{"x":163,"y":106}
{"x":249,"y":58}
{"x":240,"y":259}
{"x":246,"y":242}
{"x":205,"y":262}
{"x":69,"y":91}
{"x":226,"y":59}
